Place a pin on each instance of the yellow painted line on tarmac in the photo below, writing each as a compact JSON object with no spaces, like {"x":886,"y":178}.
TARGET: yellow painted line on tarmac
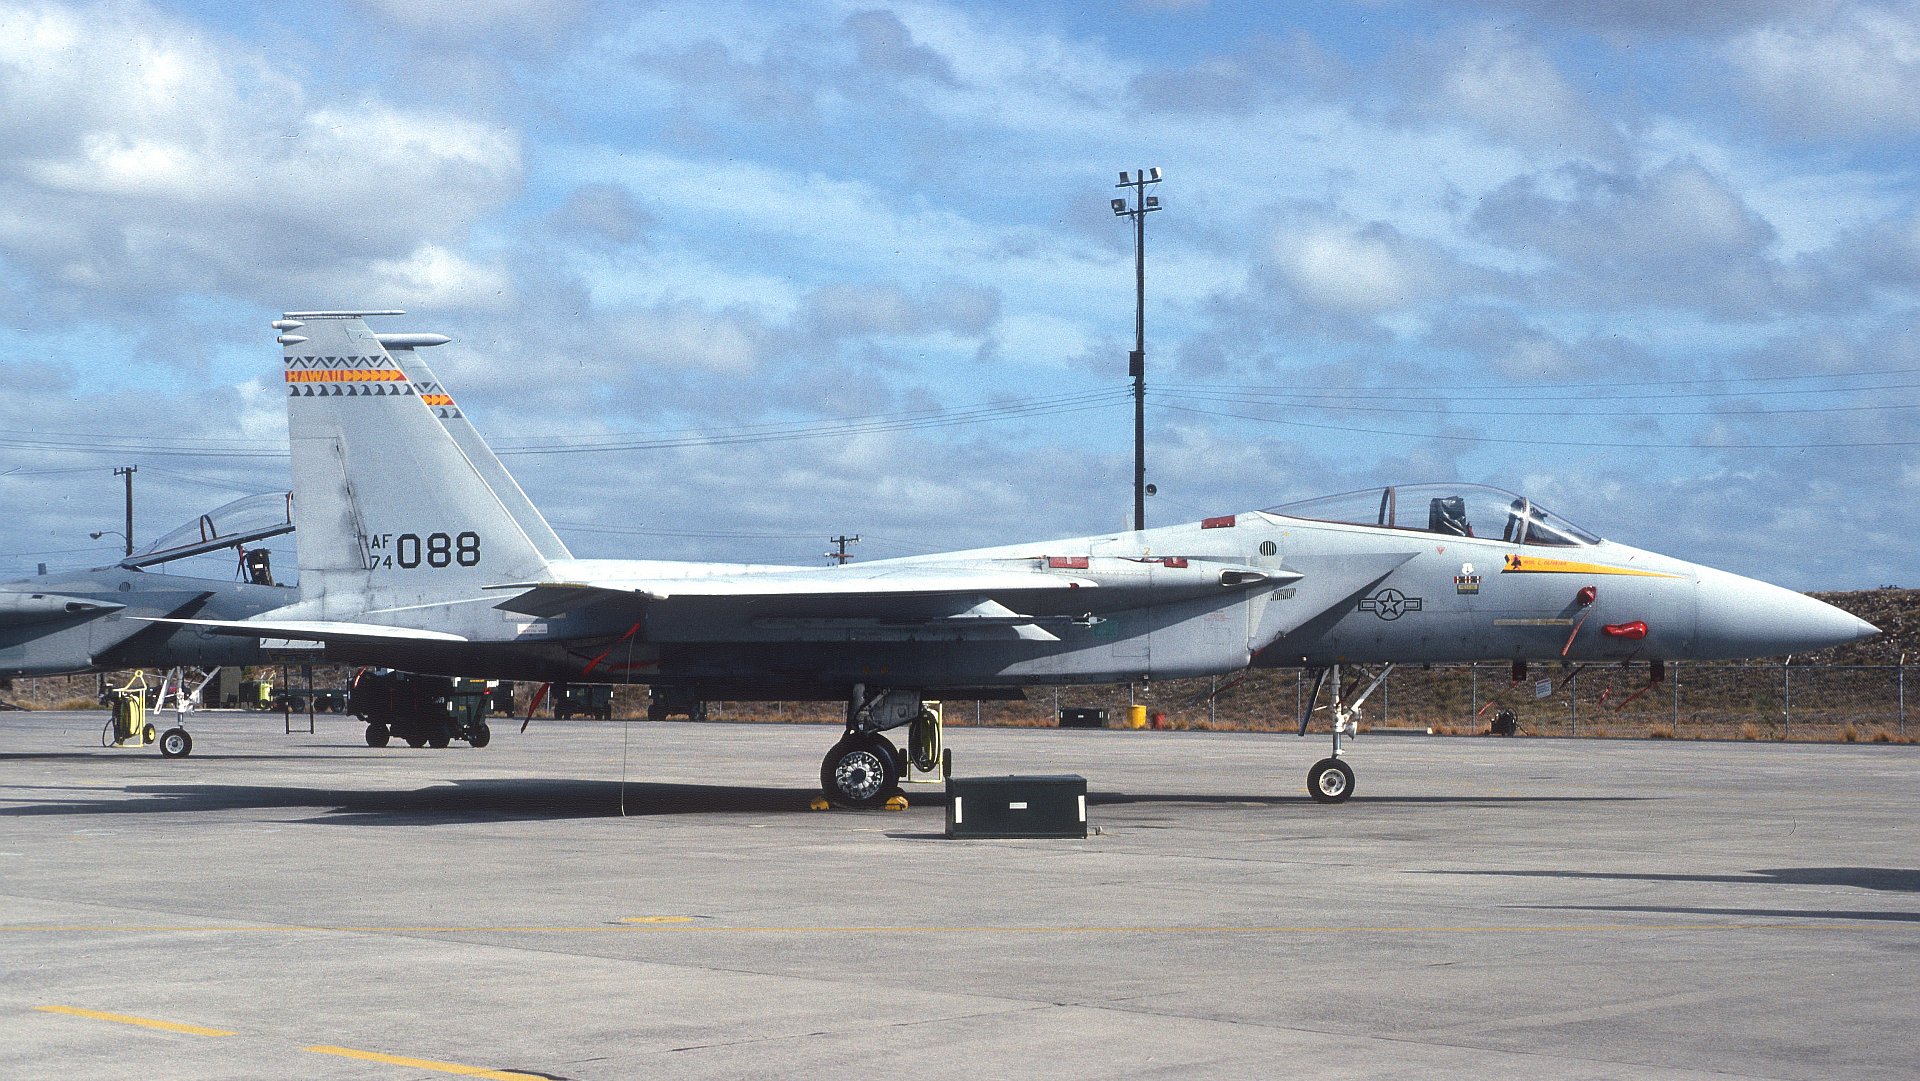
{"x":143,"y":1022}
{"x":423,"y":1064}
{"x":656,"y":919}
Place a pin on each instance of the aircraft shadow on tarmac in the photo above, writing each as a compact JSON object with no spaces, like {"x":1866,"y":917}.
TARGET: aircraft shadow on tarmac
{"x":466,"y":800}
{"x":563,"y":798}
{"x":1885,"y":879}
{"x":1746,"y":913}
{"x":1879,"y":879}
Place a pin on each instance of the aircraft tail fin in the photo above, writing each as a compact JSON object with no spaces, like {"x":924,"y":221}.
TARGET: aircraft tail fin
{"x":390,"y":509}
{"x":402,"y":348}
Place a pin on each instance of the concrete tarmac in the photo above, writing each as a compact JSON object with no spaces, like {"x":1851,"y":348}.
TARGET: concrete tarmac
{"x":305,"y":906}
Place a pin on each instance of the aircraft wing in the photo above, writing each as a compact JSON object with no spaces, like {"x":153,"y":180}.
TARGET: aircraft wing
{"x":552,"y":598}
{"x":315,"y":630}
{"x":831,"y":604}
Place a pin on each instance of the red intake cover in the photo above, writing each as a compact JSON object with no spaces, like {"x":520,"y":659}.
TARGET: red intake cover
{"x":1635,"y":630}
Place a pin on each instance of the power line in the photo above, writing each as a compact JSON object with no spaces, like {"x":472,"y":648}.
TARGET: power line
{"x":1402,"y":393}
{"x":728,"y":436}
{"x":834,"y":429}
{"x":1544,"y":442}
{"x":1602,"y":383}
{"x":1360,"y":408}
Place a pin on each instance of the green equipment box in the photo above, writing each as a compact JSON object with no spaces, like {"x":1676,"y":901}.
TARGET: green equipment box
{"x":1017,"y":806}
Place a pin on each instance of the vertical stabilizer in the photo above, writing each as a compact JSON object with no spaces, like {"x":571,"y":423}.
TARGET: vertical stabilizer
{"x":454,"y":419}
{"x":390,"y":510}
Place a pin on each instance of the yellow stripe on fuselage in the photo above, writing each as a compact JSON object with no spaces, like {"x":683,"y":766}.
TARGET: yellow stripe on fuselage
{"x":1524,"y":564}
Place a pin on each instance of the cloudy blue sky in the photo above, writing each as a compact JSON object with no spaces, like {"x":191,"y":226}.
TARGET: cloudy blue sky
{"x":728,"y":278}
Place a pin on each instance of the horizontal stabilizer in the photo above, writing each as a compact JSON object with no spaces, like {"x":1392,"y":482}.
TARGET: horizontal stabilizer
{"x":315,"y":630}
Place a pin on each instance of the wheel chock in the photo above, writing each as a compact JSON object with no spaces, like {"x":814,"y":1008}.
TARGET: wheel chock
{"x":897,"y":803}
{"x":819,"y":803}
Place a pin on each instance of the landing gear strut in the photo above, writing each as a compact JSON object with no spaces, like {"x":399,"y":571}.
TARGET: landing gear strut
{"x":1331,"y":780}
{"x":863,"y":769}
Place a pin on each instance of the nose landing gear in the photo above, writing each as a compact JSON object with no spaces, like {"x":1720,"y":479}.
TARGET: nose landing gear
{"x":1331,"y":780}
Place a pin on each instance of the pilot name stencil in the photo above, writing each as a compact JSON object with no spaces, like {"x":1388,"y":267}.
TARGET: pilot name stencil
{"x":1391,"y":604}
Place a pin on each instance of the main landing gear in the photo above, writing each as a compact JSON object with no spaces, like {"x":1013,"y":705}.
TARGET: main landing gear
{"x":1331,"y":780}
{"x":864,"y":767}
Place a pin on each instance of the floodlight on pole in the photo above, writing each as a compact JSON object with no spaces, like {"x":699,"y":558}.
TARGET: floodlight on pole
{"x":1141,"y":205}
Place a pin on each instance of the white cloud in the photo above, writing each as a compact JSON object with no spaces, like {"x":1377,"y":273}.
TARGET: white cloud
{"x":473,"y":18}
{"x":691,"y":338}
{"x":178,"y":162}
{"x":1505,"y":85}
{"x":1352,"y":269}
{"x":433,"y":277}
{"x":1854,"y":71}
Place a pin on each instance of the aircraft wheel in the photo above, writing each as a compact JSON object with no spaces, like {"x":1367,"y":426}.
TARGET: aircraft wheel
{"x":439,"y":740}
{"x":378,"y":734}
{"x":482,"y":735}
{"x":415,"y":741}
{"x":860,"y":771}
{"x":1330,"y":781}
{"x":175,"y":743}
{"x":148,"y":735}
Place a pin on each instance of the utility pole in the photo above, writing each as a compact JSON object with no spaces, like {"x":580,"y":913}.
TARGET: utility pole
{"x":128,"y":473}
{"x":841,"y":543}
{"x":1142,"y":205}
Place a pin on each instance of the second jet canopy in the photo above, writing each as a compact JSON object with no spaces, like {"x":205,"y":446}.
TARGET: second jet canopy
{"x":1458,"y":510}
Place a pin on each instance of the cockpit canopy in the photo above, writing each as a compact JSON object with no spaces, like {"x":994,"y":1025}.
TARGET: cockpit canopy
{"x":241,"y":522}
{"x":1458,"y":510}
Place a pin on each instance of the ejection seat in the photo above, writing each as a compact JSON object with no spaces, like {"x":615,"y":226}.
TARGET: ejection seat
{"x":1448,"y":514}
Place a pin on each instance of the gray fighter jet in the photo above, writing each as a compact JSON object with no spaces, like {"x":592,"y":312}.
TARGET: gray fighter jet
{"x":417,"y":550}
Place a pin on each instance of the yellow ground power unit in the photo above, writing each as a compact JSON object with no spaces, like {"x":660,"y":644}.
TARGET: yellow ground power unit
{"x":928,"y":761}
{"x":127,"y":724}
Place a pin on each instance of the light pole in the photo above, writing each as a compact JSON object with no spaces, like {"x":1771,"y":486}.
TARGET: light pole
{"x":1142,"y":205}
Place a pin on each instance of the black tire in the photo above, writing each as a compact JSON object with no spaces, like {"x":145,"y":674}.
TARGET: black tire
{"x":415,"y":741}
{"x":482,"y":735}
{"x":1330,"y":781}
{"x":148,"y":735}
{"x":378,"y":735}
{"x":175,"y":743}
{"x":107,"y":734}
{"x":439,"y":740}
{"x":946,"y":764}
{"x":860,"y":772}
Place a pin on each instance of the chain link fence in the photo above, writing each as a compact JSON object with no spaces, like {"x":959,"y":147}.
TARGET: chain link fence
{"x":1696,"y":700}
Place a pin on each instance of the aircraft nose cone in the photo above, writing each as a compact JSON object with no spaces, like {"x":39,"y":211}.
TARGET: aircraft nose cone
{"x":1741,"y":617}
